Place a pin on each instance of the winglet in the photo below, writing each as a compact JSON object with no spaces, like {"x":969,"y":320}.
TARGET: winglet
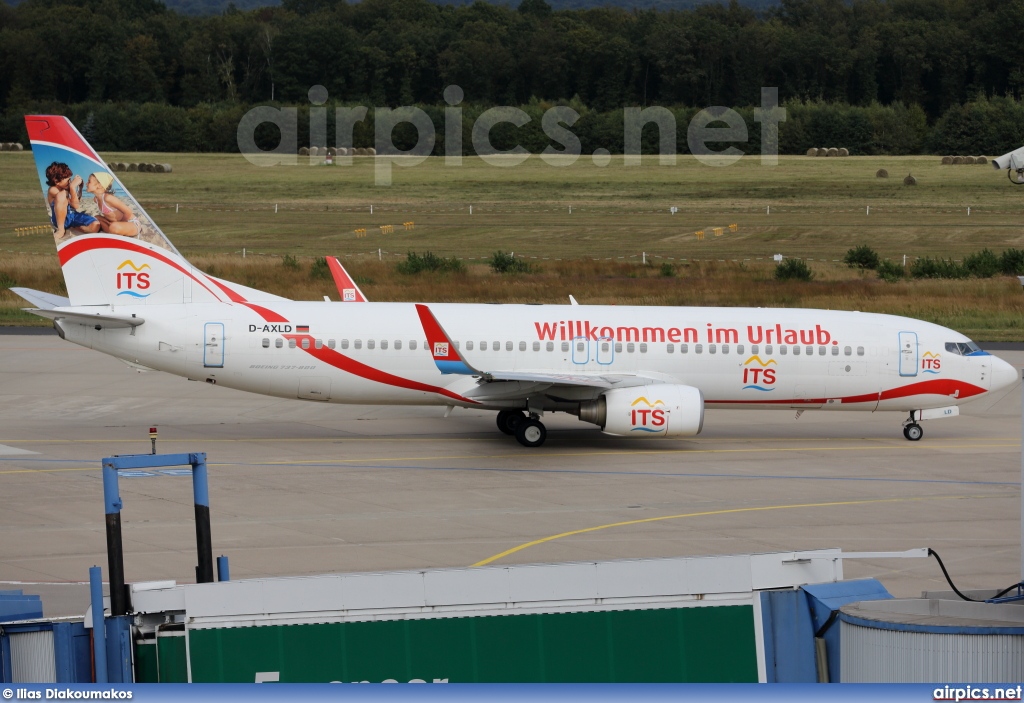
{"x":347,"y":288}
{"x":446,"y":356}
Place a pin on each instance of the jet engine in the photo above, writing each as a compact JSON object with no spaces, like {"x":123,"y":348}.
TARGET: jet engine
{"x":662,"y":410}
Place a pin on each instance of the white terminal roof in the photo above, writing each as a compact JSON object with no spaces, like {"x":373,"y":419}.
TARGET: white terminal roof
{"x":489,"y":590}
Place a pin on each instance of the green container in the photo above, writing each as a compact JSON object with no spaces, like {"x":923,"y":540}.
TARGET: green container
{"x":688,"y":644}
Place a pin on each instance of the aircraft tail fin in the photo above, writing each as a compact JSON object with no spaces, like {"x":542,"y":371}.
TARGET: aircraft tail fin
{"x":446,"y":355}
{"x":110,"y":249}
{"x":347,"y":288}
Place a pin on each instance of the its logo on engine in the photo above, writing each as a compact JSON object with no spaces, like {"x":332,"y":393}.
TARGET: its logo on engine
{"x":651,"y":418}
{"x":132,"y":281}
{"x":931,"y":363}
{"x":757,"y":374}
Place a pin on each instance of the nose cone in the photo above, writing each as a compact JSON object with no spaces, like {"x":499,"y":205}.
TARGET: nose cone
{"x":1003,"y":375}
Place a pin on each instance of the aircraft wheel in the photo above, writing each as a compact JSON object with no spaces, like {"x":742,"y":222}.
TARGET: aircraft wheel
{"x":913,"y":432}
{"x":531,"y":433}
{"x":509,"y":421}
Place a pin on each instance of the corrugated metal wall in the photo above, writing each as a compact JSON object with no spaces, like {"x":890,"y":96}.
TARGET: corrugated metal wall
{"x":871,"y":655}
{"x":32,"y":659}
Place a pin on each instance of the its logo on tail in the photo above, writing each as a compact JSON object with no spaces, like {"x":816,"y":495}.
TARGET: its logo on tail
{"x":648,"y":419}
{"x":130,"y":282}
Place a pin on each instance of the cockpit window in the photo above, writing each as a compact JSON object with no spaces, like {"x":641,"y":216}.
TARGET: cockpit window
{"x":964,"y":348}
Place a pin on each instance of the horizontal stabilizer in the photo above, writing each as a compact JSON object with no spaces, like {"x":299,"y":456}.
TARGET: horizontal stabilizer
{"x":80,"y":316}
{"x":46,"y":301}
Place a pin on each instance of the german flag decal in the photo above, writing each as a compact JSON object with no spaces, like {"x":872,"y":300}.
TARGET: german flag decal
{"x":302,"y":328}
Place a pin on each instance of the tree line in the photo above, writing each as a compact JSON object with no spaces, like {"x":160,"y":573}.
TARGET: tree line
{"x":877,"y":76}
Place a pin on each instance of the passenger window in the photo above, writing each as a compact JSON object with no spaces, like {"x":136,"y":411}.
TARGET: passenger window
{"x":670,"y":348}
{"x":483,"y":346}
{"x":305,"y":343}
{"x":835,"y":351}
{"x":767,"y":349}
{"x":279,"y":343}
{"x":522,"y":346}
{"x":291,"y":343}
{"x":266,"y":343}
{"x":469,"y":346}
{"x":712,"y":349}
{"x":605,"y":346}
{"x":384,"y":344}
{"x":550,"y":346}
{"x":630,"y":347}
{"x":496,"y":346}
{"x":860,"y":351}
{"x":753,"y":349}
{"x":398,"y":344}
{"x":684,"y":348}
{"x":643,"y":348}
{"x":344,"y":344}
{"x":536,"y":346}
{"x":796,"y":350}
{"x":454,"y":344}
{"x":698,"y":348}
{"x":725,"y":348}
{"x":358,"y":344}
{"x":783,"y":349}
{"x":330,"y":344}
{"x":565,"y":346}
{"x":319,"y":344}
{"x":847,"y":351}
{"x":810,"y":351}
{"x":580,"y":346}
{"x":371,"y":343}
{"x":412,"y":344}
{"x":508,"y":346}
{"x":739,"y":348}
{"x":618,"y":347}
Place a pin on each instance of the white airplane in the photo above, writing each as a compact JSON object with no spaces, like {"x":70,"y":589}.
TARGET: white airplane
{"x":633,"y":371}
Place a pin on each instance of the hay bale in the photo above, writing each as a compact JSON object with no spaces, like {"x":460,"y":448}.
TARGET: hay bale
{"x":969,"y":160}
{"x":133,"y":167}
{"x":981,"y":160}
{"x":833,"y":152}
{"x":844,"y":151}
{"x":303,"y":151}
{"x":958,"y":160}
{"x":342,"y":151}
{"x":822,"y":151}
{"x":167,"y":168}
{"x":16,"y":146}
{"x":5,"y":146}
{"x":331,"y":151}
{"x":881,"y":173}
{"x":947,"y":160}
{"x":360,"y":151}
{"x":909,"y":180}
{"x":812,"y":151}
{"x":158,"y":168}
{"x":371,"y":151}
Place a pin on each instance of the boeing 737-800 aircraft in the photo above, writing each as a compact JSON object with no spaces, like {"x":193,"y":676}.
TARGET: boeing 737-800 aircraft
{"x":633,"y":371}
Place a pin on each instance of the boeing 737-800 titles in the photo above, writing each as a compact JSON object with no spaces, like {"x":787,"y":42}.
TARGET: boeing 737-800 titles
{"x":632,"y":371}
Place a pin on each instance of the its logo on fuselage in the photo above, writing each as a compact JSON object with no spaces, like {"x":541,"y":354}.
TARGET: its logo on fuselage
{"x":931,"y":363}
{"x":132,"y":278}
{"x":647,"y":416}
{"x":758,"y":374}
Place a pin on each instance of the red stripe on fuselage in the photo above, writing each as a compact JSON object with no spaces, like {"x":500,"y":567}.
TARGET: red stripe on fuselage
{"x":357,"y":368}
{"x":937,"y":386}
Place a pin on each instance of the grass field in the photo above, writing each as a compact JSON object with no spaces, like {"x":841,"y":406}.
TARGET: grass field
{"x":213,"y":206}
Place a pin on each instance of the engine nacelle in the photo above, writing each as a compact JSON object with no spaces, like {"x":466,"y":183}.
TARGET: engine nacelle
{"x":661,"y":410}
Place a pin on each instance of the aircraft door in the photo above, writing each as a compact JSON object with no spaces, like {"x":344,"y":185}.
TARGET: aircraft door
{"x":580,"y":350}
{"x":908,"y":354}
{"x":605,"y":350}
{"x":213,"y":345}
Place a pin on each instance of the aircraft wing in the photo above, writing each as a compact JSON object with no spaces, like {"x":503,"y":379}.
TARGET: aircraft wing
{"x":347,"y":288}
{"x":46,"y":301}
{"x":82,"y":316}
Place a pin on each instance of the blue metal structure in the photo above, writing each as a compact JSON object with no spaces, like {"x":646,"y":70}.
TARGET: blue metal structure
{"x":98,"y":629}
{"x":15,"y":605}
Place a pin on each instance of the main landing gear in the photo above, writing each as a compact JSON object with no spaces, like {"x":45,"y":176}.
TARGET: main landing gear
{"x":912,"y":430}
{"x":529,"y":431}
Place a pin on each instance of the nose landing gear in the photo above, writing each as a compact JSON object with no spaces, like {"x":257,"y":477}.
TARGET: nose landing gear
{"x":912,"y":430}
